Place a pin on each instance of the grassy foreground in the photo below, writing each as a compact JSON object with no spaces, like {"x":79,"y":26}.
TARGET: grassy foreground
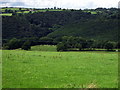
{"x":39,"y":69}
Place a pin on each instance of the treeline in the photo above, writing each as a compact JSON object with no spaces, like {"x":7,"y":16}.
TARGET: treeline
{"x":65,"y":43}
{"x":79,"y":43}
{"x":26,"y":43}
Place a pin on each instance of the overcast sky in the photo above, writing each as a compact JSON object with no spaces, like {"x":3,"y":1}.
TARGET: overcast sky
{"x":75,"y":4}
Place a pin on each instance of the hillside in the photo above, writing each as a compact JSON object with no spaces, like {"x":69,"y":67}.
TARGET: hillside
{"x":100,"y":24}
{"x":94,"y":29}
{"x":39,"y":24}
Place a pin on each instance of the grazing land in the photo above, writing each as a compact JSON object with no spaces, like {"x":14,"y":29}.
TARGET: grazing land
{"x":41,"y":69}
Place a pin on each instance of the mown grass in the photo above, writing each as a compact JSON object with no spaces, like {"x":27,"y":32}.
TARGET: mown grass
{"x":93,"y":12}
{"x":40,"y":69}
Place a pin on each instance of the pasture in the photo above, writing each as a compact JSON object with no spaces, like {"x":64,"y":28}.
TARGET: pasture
{"x":6,"y":14}
{"x":92,"y":12}
{"x":41,"y":69}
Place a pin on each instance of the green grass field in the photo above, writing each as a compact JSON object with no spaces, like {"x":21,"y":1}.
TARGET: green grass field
{"x":41,"y":69}
{"x":11,"y":8}
{"x":6,"y":14}
{"x":24,"y":12}
{"x":92,"y":12}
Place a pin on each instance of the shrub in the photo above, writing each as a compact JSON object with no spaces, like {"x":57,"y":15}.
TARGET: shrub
{"x":79,"y":46}
{"x":61,"y":47}
{"x":26,"y":45}
{"x":109,"y":46}
{"x":13,"y":44}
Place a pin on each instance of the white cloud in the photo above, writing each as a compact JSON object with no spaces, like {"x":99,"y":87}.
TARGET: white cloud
{"x":65,"y":3}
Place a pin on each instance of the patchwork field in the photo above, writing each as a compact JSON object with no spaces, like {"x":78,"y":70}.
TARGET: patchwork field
{"x":25,"y":11}
{"x":41,"y":69}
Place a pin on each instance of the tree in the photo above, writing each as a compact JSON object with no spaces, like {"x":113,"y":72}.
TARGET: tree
{"x":118,"y":45}
{"x":46,"y":40}
{"x":83,"y":42}
{"x":54,"y":7}
{"x":20,"y":9}
{"x":26,"y":45}
{"x":61,"y":47}
{"x":30,"y":12}
{"x":109,"y":46}
{"x":90,"y":43}
{"x":14,"y":13}
{"x":13,"y":44}
{"x":6,"y":11}
{"x":79,"y":46}
{"x":72,"y":10}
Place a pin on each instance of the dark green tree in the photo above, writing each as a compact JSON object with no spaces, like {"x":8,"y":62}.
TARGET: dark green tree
{"x":13,"y":44}
{"x":61,"y":46}
{"x":109,"y":46}
{"x":118,"y":45}
{"x":46,"y":40}
{"x":20,"y":9}
{"x":83,"y":42}
{"x":79,"y":46}
{"x":90,"y":44}
{"x":26,"y":45}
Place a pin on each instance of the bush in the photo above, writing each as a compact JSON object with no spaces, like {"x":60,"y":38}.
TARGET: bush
{"x":61,"y":47}
{"x":26,"y":45}
{"x":109,"y":46}
{"x":118,"y":45}
{"x":13,"y":44}
{"x":79,"y":46}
